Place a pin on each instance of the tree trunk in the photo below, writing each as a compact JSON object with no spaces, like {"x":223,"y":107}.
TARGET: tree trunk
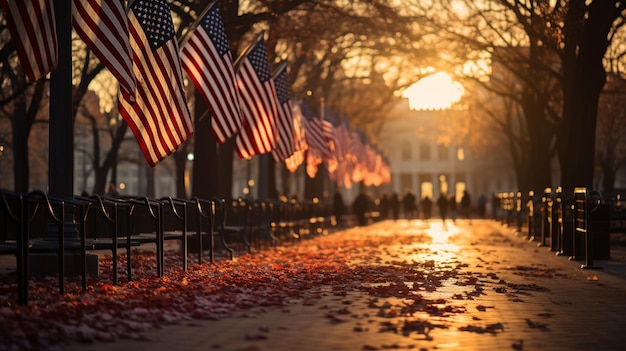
{"x":110,"y":161}
{"x":314,"y":187}
{"x":540,"y":134}
{"x":205,"y":174}
{"x":286,"y":180}
{"x":21,"y":170}
{"x":586,"y":42}
{"x":521,"y":164}
{"x":150,"y":183}
{"x":272,"y":191}
{"x":608,"y":177}
{"x":225,"y":169}
{"x":22,"y":122}
{"x":180,"y":162}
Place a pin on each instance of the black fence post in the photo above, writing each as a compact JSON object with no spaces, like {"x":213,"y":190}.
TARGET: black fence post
{"x":580,"y":221}
{"x":518,"y":209}
{"x":567,"y":232}
{"x":557,"y":220}
{"x":586,"y":203}
{"x":530,"y":206}
{"x":546,"y":216}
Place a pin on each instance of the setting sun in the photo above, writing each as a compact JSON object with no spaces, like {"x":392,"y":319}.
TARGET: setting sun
{"x":435,"y":92}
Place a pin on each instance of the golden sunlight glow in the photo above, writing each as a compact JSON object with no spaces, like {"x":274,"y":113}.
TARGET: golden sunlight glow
{"x":435,"y":92}
{"x":440,"y":232}
{"x":441,"y":249}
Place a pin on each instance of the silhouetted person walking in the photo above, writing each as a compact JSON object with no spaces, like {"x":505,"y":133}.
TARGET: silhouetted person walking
{"x":360,"y":205}
{"x":395,"y":206}
{"x":427,"y":207}
{"x":384,"y":206}
{"x":452,"y":206}
{"x":466,"y":205}
{"x":408,"y":203}
{"x":442,"y":203}
{"x":339,"y":207}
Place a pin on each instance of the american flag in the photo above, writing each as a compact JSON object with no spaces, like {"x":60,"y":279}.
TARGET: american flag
{"x":159,"y":118}
{"x":207,"y":59}
{"x":318,"y":146}
{"x":359,"y":153}
{"x":298,"y":127}
{"x":258,"y":131}
{"x":329,"y":134}
{"x":342,"y":137}
{"x":294,"y":161}
{"x":103,"y":26}
{"x":285,"y":145}
{"x":343,"y":171}
{"x":314,"y":131}
{"x":33,"y":29}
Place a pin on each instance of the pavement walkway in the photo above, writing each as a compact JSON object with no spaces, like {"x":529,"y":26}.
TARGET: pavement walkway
{"x":409,"y":285}
{"x":490,"y":289}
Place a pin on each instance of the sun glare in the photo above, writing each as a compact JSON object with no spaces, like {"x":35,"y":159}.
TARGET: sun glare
{"x":435,"y":92}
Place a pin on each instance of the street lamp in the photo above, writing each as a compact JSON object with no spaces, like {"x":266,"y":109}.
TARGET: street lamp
{"x":187,"y":180}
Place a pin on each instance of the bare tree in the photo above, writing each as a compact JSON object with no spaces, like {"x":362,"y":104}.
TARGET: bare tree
{"x":21,"y":102}
{"x":611,"y":133}
{"x":589,"y":27}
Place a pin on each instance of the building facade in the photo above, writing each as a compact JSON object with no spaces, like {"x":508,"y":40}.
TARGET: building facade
{"x":429,"y":154}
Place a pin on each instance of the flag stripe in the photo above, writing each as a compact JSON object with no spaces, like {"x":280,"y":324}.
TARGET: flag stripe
{"x":294,"y":161}
{"x":103,"y":26}
{"x":285,"y":145}
{"x":298,"y":127}
{"x":159,"y":118}
{"x":211,"y":81}
{"x":33,"y":29}
{"x":213,"y":74}
{"x":259,"y":135}
{"x":315,"y":136}
{"x":258,"y":103}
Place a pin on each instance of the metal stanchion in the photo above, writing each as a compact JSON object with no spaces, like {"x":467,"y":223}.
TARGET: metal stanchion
{"x":530,"y":206}
{"x":518,"y":210}
{"x":557,"y":221}
{"x":546,"y":216}
{"x":593,"y":200}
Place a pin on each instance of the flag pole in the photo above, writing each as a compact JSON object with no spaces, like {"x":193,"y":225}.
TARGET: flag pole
{"x":185,"y":36}
{"x":61,"y":138}
{"x":250,"y":46}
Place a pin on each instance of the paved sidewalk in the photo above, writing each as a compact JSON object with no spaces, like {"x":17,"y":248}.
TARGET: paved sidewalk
{"x":482,"y":287}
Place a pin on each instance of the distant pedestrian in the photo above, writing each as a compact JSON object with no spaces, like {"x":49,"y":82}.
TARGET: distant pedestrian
{"x":360,"y":206}
{"x":482,"y":206}
{"x":452,"y":207}
{"x":394,"y":203}
{"x":495,"y":207}
{"x":442,"y":203}
{"x":466,"y":204}
{"x":427,"y":206}
{"x":409,"y":205}
{"x":339,"y":208}
{"x":384,"y":206}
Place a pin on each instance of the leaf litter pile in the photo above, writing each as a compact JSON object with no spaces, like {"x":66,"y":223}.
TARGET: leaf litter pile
{"x":412,"y":286}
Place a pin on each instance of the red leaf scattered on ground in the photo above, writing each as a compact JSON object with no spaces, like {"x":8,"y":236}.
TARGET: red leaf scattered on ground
{"x":382,"y":268}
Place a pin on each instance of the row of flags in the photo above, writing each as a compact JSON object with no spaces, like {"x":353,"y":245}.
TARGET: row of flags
{"x":348,"y":155}
{"x":247,"y":99}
